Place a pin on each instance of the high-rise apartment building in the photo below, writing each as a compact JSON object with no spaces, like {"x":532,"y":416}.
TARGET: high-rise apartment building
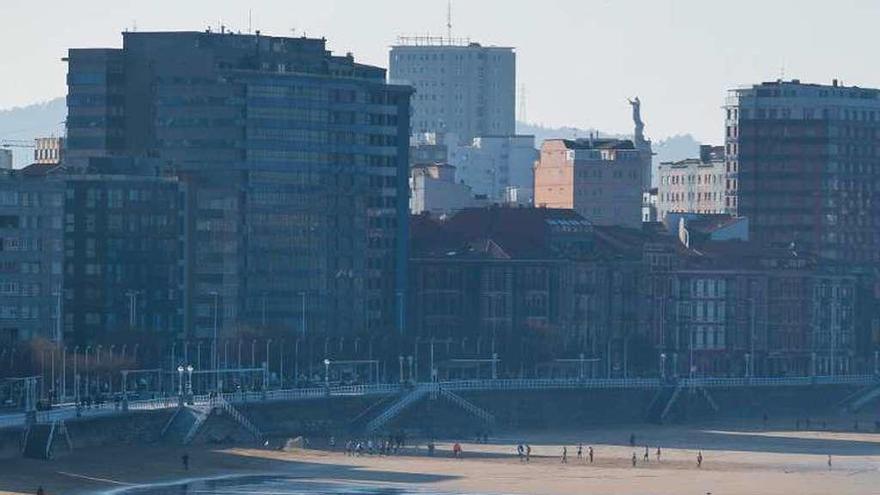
{"x":296,"y":168}
{"x":31,"y":213}
{"x":461,"y":88}
{"x":601,"y":179}
{"x":86,"y":255}
{"x":803,"y":165}
{"x":693,"y":185}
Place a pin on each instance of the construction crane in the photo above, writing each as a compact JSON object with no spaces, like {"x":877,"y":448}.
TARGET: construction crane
{"x":16,"y":143}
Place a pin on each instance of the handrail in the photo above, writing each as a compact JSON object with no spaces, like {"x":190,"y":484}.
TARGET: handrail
{"x":313,"y":393}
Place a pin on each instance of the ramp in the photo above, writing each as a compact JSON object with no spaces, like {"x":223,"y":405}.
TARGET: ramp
{"x":468,"y":406}
{"x":403,"y":402}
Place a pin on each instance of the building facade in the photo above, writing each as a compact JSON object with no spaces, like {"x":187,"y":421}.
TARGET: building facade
{"x":48,"y":150}
{"x":551,"y":289}
{"x":296,"y":165}
{"x":501,"y":168}
{"x":601,"y":179}
{"x":434,"y":191}
{"x":31,"y":256}
{"x":5,"y":159}
{"x":124,"y":238}
{"x":694,"y":185}
{"x":802,"y":164}
{"x":461,"y":88}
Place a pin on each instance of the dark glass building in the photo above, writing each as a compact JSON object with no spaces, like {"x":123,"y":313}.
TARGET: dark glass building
{"x":123,"y":252}
{"x":296,"y":168}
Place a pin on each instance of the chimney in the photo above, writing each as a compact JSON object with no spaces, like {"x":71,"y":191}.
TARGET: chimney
{"x":834,"y":82}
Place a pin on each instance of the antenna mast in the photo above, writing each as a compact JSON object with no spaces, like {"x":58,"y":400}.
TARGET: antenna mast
{"x":522,"y":103}
{"x":449,"y":21}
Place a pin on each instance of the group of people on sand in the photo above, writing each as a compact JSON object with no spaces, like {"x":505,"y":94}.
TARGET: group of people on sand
{"x":392,"y":444}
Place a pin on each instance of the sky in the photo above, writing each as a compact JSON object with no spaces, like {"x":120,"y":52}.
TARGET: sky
{"x":579,"y":60}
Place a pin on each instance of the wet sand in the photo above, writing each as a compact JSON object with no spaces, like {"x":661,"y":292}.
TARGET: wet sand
{"x":737,"y":461}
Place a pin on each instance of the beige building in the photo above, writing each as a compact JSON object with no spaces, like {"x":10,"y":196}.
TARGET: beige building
{"x":599,"y":178}
{"x":48,"y":150}
{"x":694,"y":185}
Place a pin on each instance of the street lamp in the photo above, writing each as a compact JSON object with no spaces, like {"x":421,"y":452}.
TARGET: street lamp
{"x":327,"y":373}
{"x":214,"y":343}
{"x":189,"y":381}
{"x":180,"y":370}
{"x":663,"y":366}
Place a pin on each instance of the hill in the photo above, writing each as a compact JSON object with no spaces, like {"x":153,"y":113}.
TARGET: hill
{"x":31,"y":121}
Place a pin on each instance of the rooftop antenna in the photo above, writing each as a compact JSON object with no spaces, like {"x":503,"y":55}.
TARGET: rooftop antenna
{"x":522,"y":103}
{"x":449,"y":21}
{"x":250,"y":20}
{"x":134,"y":25}
{"x":782,"y":70}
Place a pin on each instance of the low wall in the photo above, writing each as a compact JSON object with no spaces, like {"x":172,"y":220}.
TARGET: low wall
{"x":532,"y":410}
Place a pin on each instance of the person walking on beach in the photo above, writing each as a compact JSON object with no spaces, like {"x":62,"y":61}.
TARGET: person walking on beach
{"x":185,"y":460}
{"x":456,"y":450}
{"x":528,"y":453}
{"x":658,"y":453}
{"x":829,"y":462}
{"x":634,"y":459}
{"x":40,"y":491}
{"x":646,"y":457}
{"x":590,"y":453}
{"x":520,"y":451}
{"x":700,"y":459}
{"x":580,"y":451}
{"x":565,"y":455}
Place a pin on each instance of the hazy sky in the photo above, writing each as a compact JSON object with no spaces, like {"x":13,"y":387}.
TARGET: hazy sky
{"x":579,"y":59}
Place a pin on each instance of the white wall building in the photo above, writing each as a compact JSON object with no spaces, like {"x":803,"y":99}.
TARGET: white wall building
{"x":498,"y":167}
{"x":461,"y":87}
{"x":5,"y":159}
{"x":434,"y":190}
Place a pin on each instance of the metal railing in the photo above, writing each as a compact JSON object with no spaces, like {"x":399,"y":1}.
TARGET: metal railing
{"x":312,"y":393}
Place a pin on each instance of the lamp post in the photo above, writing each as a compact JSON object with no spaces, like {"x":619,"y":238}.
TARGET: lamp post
{"x":748,"y":357}
{"x":876,"y":362}
{"x":327,"y":374}
{"x":663,"y":366}
{"x":268,"y":343}
{"x":412,"y":377}
{"x":296,"y":363}
{"x":189,"y":382}
{"x":400,"y":358}
{"x":494,"y":365}
{"x":214,"y":343}
{"x":302,"y":327}
{"x":281,"y":365}
{"x":180,"y":370}
{"x":86,"y":362}
{"x":124,"y":390}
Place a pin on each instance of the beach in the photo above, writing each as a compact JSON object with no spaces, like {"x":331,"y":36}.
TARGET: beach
{"x":736,"y":461}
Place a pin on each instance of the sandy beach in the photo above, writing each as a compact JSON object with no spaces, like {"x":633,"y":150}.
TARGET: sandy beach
{"x":737,"y":461}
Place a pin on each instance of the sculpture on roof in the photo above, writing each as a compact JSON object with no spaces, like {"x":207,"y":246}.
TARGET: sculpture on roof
{"x":637,"y":120}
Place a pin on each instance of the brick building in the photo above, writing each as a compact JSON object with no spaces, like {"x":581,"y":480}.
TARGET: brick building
{"x":601,"y":179}
{"x":802,"y":162}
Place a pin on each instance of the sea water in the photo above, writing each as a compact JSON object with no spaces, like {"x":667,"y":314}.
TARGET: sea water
{"x":268,"y":485}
